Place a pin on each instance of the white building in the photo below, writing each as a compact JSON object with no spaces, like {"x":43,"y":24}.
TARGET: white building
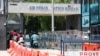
{"x":72,"y":11}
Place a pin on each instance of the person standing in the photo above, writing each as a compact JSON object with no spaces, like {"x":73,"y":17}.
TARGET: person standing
{"x":8,"y":39}
{"x":35,"y":40}
{"x":14,"y":35}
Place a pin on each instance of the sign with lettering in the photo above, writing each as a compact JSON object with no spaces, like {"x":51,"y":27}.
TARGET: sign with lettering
{"x":89,"y":53}
{"x":44,"y":8}
{"x":82,"y":53}
{"x":56,"y":8}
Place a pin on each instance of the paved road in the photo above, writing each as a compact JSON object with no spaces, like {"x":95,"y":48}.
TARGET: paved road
{"x":4,"y":53}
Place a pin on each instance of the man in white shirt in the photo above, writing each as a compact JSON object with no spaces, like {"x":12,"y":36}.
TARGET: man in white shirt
{"x":35,"y":40}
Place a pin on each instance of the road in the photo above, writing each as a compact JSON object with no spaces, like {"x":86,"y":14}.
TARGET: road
{"x":4,"y":53}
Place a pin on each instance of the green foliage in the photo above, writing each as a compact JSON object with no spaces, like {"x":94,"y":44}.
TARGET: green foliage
{"x":43,"y":23}
{"x":32,"y":24}
{"x":60,"y":23}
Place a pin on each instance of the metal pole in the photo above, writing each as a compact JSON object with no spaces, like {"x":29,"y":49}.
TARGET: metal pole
{"x":52,"y":20}
{"x":21,"y":20}
{"x":61,"y":46}
{"x":52,"y":28}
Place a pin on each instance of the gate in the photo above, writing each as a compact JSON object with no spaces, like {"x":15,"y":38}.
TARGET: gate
{"x":82,"y":47}
{"x":71,"y":41}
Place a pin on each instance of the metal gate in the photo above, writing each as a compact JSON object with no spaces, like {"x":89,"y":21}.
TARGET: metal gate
{"x":79,"y":45}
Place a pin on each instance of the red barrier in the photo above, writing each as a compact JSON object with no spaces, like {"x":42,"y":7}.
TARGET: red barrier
{"x":90,"y":47}
{"x":24,"y":51}
{"x":35,"y":52}
{"x":15,"y":47}
{"x":18,"y":50}
{"x":11,"y":46}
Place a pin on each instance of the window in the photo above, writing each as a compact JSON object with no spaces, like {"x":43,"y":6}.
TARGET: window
{"x":85,"y":21}
{"x":85,"y":10}
{"x":86,"y":1}
{"x":99,"y":8}
{"x":99,"y":19}
{"x":94,"y":19}
{"x":93,"y":1}
{"x":85,"y":5}
{"x":94,"y":9}
{"x":98,"y":29}
{"x":94,"y":32}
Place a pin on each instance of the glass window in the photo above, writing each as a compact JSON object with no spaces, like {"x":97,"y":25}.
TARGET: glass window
{"x":94,"y":32}
{"x":85,"y":21}
{"x":99,"y":8}
{"x":94,"y":19}
{"x":93,"y":1}
{"x":99,"y":19}
{"x":94,"y":9}
{"x":85,"y":10}
{"x":86,"y":1}
{"x":98,"y":29}
{"x":85,"y":7}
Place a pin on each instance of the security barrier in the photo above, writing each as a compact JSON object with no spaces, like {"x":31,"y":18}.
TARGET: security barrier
{"x":52,"y":40}
{"x":18,"y":50}
{"x":91,"y":47}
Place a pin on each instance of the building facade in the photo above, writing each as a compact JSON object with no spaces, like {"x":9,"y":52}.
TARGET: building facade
{"x":91,"y":17}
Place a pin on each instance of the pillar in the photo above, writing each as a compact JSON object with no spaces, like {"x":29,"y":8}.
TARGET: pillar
{"x":3,"y":32}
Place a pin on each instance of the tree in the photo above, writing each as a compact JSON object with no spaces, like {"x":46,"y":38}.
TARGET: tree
{"x":44,"y":22}
{"x":60,"y":23}
{"x":32,"y":24}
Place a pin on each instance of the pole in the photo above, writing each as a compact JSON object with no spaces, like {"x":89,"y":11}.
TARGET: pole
{"x":52,"y":21}
{"x":21,"y":20}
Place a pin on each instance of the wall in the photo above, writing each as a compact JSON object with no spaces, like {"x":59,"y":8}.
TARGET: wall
{"x":2,"y":32}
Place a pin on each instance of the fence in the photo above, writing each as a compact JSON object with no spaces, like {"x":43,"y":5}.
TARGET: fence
{"x":53,"y":40}
{"x":18,"y":50}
